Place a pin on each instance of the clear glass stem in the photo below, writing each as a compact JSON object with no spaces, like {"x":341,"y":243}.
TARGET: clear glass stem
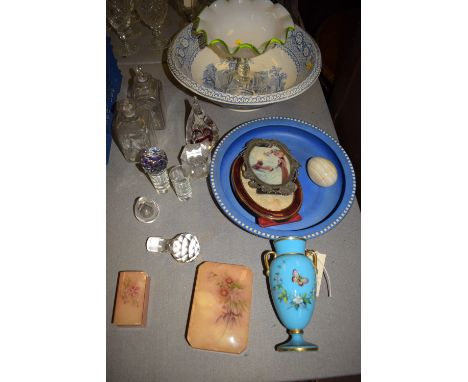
{"x":241,"y":83}
{"x":126,"y":48}
{"x":243,"y":69}
{"x":156,"y":32}
{"x":158,"y":42}
{"x":131,"y":32}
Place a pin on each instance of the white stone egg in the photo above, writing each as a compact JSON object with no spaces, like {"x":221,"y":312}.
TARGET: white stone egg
{"x":322,"y":171}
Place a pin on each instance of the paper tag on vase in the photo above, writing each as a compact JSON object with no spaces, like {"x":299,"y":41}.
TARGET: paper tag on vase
{"x":320,"y":266}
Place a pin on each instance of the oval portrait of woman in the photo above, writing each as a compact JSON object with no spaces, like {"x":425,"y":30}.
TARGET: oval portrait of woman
{"x":270,"y":167}
{"x":270,"y":164}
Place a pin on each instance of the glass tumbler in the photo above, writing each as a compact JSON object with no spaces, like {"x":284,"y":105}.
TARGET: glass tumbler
{"x":180,"y":179}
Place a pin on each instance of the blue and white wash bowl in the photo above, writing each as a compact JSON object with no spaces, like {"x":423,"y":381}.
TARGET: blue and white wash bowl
{"x":281,"y":73}
{"x":292,"y":281}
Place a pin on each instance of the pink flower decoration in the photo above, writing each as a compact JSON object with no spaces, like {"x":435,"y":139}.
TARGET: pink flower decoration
{"x":133,"y":290}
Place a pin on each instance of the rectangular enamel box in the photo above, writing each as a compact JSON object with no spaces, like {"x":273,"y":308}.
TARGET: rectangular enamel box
{"x":220,"y":312}
{"x":131,"y":299}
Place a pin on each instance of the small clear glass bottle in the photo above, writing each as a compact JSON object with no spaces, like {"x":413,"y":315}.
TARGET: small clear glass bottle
{"x":130,"y":130}
{"x":147,"y":92}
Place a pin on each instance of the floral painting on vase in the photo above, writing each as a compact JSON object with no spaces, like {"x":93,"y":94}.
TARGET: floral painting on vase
{"x":296,"y":299}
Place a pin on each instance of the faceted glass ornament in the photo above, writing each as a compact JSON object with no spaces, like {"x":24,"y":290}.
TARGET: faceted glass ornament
{"x":184,"y":248}
{"x":198,"y":158}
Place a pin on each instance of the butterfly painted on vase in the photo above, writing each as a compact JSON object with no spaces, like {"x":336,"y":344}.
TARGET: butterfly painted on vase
{"x":298,"y":279}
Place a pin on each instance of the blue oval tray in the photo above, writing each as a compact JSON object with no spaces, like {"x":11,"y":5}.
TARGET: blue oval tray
{"x":322,"y":208}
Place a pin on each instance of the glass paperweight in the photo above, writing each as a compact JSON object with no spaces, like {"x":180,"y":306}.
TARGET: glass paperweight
{"x":197,"y":157}
{"x":146,"y":210}
{"x":154,"y":162}
{"x":200,"y":128}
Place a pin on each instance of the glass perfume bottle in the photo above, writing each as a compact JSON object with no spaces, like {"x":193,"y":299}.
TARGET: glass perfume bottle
{"x":130,"y":130}
{"x":147,"y":92}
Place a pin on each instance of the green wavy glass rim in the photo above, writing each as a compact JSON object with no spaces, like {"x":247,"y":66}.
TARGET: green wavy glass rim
{"x":244,"y":44}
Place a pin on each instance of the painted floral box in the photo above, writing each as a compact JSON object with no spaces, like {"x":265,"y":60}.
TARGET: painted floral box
{"x":131,"y":299}
{"x":220,"y":311}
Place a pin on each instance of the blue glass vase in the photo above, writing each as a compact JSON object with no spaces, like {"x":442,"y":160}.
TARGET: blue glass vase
{"x":292,"y":279}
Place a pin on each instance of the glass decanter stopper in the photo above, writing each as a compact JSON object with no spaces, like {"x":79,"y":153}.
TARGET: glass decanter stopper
{"x":130,"y":130}
{"x":154,"y":163}
{"x":184,"y":248}
{"x":147,"y":92}
{"x":200,"y":127}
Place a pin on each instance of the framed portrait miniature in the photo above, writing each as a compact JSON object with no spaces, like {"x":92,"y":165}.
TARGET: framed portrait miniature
{"x":270,"y":167}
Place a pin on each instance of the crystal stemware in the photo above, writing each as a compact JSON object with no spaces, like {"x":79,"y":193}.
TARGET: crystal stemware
{"x":119,"y":13}
{"x":189,"y":9}
{"x":153,"y":13}
{"x":134,"y":30}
